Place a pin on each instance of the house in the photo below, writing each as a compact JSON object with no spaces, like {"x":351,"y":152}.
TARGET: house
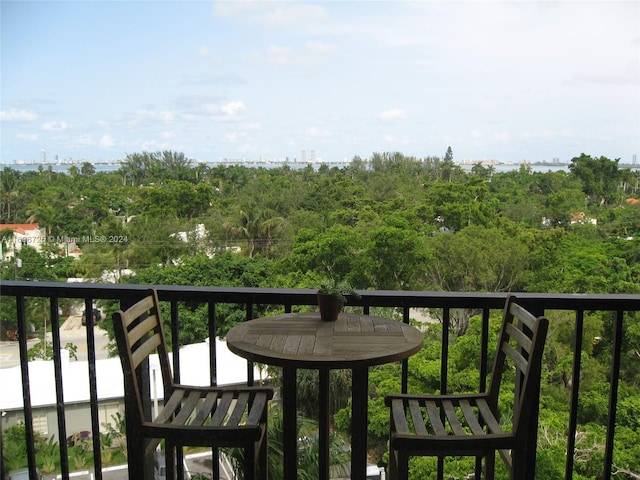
{"x":29,"y":234}
{"x":32,"y":235}
{"x":582,"y":219}
{"x":194,"y":370}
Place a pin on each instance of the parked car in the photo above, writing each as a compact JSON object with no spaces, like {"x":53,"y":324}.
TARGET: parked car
{"x":22,"y":474}
{"x":78,"y":437}
{"x":97,"y":316}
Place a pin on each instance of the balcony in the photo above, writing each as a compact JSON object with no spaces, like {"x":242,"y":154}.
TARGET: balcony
{"x":623,"y":311}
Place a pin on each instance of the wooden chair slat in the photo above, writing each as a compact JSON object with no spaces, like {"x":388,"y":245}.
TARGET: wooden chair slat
{"x":205,"y":408}
{"x":520,"y":361}
{"x":452,"y":418}
{"x":488,"y":417}
{"x":142,"y":329}
{"x":184,"y":420}
{"x":222,"y":410}
{"x":523,"y":315}
{"x":519,"y":336}
{"x":239,"y":409}
{"x":186,"y":409}
{"x":258,"y":406}
{"x":398,"y":417}
{"x":138,"y":309}
{"x":434,"y":418}
{"x":473,"y":428}
{"x":170,"y":407}
{"x":417,"y":418}
{"x":470,"y":417}
{"x":145,"y":349}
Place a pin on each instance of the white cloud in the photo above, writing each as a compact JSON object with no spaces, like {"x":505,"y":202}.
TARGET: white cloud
{"x":394,"y":114}
{"x":278,"y":55}
{"x":215,"y":79}
{"x":231,"y":9}
{"x":106,"y":141}
{"x":271,"y":14}
{"x":606,"y":78}
{"x":55,"y":126}
{"x":156,"y":115}
{"x":395,"y":139}
{"x":233,"y":108}
{"x":229,"y":112}
{"x":30,"y":137}
{"x":296,"y":14}
{"x":282,"y":55}
{"x":319,"y":48}
{"x":15,"y":115}
{"x":85,"y":140}
{"x":318,"y":132}
{"x":203,"y":51}
{"x":235,"y":137}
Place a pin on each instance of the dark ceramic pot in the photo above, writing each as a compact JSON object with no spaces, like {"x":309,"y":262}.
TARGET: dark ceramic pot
{"x":329,"y":307}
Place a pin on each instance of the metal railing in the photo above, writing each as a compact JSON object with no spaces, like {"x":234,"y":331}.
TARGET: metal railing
{"x":621,"y":305}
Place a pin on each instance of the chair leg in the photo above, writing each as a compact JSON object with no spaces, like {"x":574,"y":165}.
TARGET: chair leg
{"x":490,"y":466}
{"x":250,"y":463}
{"x":262,"y":466}
{"x":403,"y":466}
{"x":170,"y":464}
{"x":393,"y":465}
{"x":135,"y":454}
{"x":520,"y":469}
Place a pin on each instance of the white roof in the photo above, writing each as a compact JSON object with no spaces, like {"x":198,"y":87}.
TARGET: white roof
{"x":194,"y":369}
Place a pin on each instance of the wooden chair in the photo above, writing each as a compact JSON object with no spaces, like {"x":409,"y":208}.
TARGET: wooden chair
{"x":469,"y":424}
{"x":191,"y":415}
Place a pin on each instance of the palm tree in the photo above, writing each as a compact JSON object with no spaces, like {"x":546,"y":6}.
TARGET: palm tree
{"x":43,"y":212}
{"x":8,"y":183}
{"x":256,"y":224}
{"x":250,"y":218}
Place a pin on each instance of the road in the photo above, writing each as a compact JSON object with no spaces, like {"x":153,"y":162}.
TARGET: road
{"x":71,"y":331}
{"x":196,"y":463}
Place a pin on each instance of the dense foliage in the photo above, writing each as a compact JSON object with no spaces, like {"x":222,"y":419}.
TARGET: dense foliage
{"x":388,"y":222}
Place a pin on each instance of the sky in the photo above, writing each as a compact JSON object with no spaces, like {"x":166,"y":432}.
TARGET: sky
{"x":493,"y":80}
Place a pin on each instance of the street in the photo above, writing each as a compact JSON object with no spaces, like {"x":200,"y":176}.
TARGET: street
{"x":195,"y":463}
{"x":71,"y":331}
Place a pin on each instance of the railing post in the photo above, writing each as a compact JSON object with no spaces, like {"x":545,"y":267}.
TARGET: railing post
{"x":618,"y":334}
{"x":405,"y":363}
{"x":26,"y":389}
{"x":213,"y":371}
{"x":57,"y":367}
{"x":575,"y":388}
{"x":291,"y":299}
{"x":93,"y":388}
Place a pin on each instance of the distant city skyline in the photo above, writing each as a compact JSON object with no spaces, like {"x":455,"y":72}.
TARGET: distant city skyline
{"x":495,"y":80}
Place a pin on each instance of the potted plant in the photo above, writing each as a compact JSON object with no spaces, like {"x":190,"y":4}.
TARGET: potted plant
{"x":332,"y":297}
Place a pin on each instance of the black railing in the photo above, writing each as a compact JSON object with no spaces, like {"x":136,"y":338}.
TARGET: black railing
{"x":287,"y":299}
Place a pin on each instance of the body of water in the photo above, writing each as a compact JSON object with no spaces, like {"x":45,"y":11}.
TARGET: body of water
{"x":112,"y":167}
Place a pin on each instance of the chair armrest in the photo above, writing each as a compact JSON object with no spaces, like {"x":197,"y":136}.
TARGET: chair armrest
{"x":226,"y":388}
{"x":459,"y":396}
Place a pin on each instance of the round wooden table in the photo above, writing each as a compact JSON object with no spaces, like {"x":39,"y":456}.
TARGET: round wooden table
{"x":303,"y":340}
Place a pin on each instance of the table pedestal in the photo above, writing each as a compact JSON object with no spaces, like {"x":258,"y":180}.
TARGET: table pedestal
{"x":303,"y":341}
{"x":359,"y":421}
